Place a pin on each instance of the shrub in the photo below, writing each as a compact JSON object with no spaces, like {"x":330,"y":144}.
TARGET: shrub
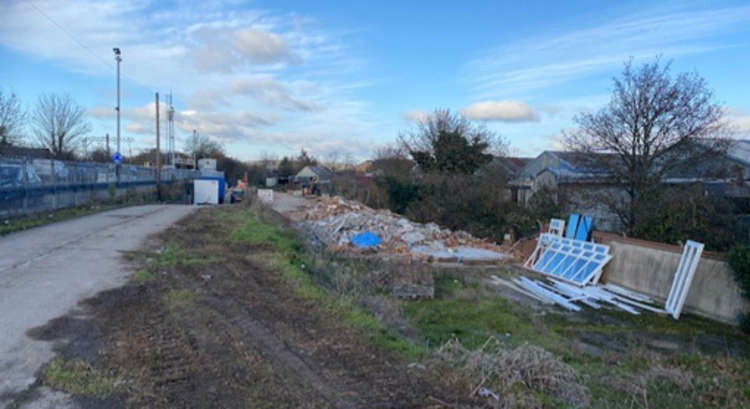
{"x":739,"y":260}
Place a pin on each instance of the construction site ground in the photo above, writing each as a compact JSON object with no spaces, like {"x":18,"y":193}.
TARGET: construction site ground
{"x":228,"y":310}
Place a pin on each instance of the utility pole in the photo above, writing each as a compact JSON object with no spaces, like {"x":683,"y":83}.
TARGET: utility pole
{"x":118,"y":59}
{"x":170,"y":129}
{"x":158,"y":151}
{"x":108,"y":154}
{"x":195,"y":146}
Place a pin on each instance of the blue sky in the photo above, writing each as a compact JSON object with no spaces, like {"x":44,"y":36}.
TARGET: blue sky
{"x":266,"y":78}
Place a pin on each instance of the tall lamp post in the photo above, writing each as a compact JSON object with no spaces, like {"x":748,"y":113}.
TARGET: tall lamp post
{"x":118,"y":59}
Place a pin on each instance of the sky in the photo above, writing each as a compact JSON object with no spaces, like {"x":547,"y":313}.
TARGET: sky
{"x":340,"y":79}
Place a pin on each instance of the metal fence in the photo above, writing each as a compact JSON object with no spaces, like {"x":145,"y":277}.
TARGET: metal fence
{"x":28,"y":185}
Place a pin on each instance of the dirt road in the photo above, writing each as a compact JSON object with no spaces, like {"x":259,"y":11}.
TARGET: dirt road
{"x":46,"y":271}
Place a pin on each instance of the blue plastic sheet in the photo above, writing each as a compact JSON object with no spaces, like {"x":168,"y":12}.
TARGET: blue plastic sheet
{"x":366,"y":240}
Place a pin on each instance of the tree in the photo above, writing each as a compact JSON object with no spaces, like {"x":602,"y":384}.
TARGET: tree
{"x":655,"y":125}
{"x":304,"y":159}
{"x":448,"y":142}
{"x":201,"y":146}
{"x":58,"y":122}
{"x":286,"y":167}
{"x":12,"y":118}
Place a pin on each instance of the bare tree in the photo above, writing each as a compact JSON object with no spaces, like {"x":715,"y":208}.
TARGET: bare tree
{"x":58,"y":122}
{"x":201,"y":146}
{"x":655,"y":126}
{"x":12,"y":118}
{"x":448,"y":142}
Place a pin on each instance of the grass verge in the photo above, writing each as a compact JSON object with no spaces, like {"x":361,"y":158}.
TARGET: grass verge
{"x":283,"y":250}
{"x":79,"y":378}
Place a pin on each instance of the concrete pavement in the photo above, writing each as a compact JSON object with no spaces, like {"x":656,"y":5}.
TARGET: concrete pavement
{"x":46,"y":271}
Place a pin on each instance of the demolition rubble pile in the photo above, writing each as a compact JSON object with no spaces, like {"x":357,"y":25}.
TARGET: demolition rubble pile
{"x":336,"y":222}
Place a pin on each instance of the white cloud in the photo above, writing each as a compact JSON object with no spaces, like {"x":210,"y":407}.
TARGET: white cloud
{"x":226,"y":50}
{"x":739,"y":120}
{"x":416,"y":115}
{"x":260,"y":47}
{"x":506,"y":111}
{"x":271,"y":92}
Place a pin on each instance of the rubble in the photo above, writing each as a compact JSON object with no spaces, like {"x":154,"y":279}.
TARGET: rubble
{"x":336,"y":221}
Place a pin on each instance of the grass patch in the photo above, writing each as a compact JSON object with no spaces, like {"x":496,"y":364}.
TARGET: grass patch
{"x":178,"y":299}
{"x":143,"y":276}
{"x":79,"y":378}
{"x":35,"y":220}
{"x":173,"y":255}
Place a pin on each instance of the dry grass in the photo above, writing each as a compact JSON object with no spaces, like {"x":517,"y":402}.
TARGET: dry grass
{"x":524,"y":376}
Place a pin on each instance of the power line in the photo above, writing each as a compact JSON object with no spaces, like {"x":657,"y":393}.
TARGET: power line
{"x":87,"y":49}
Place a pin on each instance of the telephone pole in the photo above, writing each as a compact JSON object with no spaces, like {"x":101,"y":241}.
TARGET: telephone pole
{"x":158,"y":151}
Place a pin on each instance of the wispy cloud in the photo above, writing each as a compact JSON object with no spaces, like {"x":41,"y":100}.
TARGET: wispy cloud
{"x":533,"y":63}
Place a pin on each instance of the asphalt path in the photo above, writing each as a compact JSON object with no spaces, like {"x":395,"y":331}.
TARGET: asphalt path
{"x":46,"y":271}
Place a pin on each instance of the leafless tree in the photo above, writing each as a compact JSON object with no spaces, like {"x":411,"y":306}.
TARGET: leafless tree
{"x":12,"y":118}
{"x":656,"y":125}
{"x":201,"y":146}
{"x":58,"y":122}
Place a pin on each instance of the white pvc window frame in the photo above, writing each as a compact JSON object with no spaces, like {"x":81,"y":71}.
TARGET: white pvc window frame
{"x":683,"y":277}
{"x":575,"y":261}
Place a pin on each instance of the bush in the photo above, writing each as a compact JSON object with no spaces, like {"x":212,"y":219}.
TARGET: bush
{"x":681,"y":213}
{"x":739,"y":260}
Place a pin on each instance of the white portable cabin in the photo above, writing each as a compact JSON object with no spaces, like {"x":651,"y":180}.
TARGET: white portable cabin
{"x":205,"y":191}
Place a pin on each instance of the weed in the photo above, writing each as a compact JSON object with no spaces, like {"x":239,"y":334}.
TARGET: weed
{"x":79,"y":378}
{"x":142,"y":276}
{"x":177,"y":299}
{"x":173,"y":255}
{"x":511,"y":373}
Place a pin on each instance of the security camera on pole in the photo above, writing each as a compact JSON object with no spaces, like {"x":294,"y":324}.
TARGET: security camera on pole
{"x":117,"y":157}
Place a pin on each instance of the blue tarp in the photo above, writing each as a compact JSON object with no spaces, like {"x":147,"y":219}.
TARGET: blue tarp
{"x":365,"y":240}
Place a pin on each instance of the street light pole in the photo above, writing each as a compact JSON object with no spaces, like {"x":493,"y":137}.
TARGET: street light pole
{"x":118,"y":59}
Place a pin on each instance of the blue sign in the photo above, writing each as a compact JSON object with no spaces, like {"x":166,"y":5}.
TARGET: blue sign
{"x":117,"y":158}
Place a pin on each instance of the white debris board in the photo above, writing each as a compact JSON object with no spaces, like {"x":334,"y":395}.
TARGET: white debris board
{"x":265,"y":195}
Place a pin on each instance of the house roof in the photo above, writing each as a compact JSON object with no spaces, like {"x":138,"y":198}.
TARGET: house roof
{"x":321,"y":171}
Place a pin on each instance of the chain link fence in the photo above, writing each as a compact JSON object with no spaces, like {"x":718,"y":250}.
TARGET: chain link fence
{"x":31,"y":185}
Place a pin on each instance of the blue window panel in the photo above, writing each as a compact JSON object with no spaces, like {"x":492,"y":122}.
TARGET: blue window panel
{"x":584,"y":228}
{"x":586,"y":272}
{"x":552,"y":264}
{"x":570,"y":230}
{"x":563,"y":266}
{"x":544,"y":259}
{"x":573,"y":272}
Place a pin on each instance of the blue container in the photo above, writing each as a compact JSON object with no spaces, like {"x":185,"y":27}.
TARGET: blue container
{"x":222,"y":185}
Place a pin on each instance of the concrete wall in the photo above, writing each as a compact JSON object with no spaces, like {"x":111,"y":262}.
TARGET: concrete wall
{"x":649,"y":267}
